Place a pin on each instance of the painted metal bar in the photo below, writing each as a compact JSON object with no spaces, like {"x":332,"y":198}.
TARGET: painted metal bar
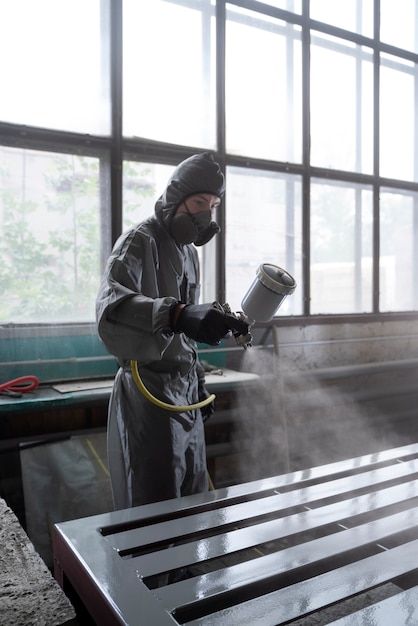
{"x":252,"y":537}
{"x":399,"y":609}
{"x":258,"y":489}
{"x":173,"y":530}
{"x":308,"y":596}
{"x":265,"y":571}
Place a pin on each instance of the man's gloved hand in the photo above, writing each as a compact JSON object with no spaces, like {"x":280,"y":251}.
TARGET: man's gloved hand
{"x":207,"y":324}
{"x":208,"y":410}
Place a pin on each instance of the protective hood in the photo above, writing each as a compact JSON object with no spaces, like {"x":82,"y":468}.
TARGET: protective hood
{"x":199,"y":173}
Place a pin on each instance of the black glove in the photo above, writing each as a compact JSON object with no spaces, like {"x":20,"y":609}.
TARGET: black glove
{"x":208,"y":410}
{"x":207,"y":324}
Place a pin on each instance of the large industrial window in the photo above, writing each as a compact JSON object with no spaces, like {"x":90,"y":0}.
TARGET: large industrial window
{"x":309,"y":105}
{"x":169,"y":71}
{"x":50,"y":243}
{"x":263,"y":224}
{"x":54,"y":68}
{"x":263,"y":86}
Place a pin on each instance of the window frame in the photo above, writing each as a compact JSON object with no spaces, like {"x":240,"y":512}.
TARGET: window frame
{"x":114,"y":149}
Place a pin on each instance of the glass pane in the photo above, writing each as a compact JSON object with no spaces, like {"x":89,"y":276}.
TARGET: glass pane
{"x":143,"y":183}
{"x":398,"y":118}
{"x":169,"y":71}
{"x":263,"y":225}
{"x":398,"y":24}
{"x":341,"y":105}
{"x":49,"y":236}
{"x":398,"y":251}
{"x":341,"y":248}
{"x":350,"y":15}
{"x":54,"y":69}
{"x":263,"y":87}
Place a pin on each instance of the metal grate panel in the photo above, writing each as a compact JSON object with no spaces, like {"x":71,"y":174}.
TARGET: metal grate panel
{"x":263,"y":553}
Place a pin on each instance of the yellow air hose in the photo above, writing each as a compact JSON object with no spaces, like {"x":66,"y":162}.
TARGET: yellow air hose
{"x":166,"y":405}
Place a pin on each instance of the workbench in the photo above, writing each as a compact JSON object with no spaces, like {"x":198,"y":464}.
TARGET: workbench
{"x":57,"y":412}
{"x":336,"y":542}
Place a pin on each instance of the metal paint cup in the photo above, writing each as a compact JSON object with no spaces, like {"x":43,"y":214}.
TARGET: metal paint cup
{"x":267,"y":293}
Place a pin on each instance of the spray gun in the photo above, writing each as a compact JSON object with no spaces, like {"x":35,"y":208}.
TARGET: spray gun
{"x":270,"y":287}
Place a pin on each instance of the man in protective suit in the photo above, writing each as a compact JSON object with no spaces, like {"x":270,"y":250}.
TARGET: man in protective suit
{"x":147,"y":311}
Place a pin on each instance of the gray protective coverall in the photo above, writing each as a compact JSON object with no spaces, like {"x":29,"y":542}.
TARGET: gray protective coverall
{"x":155,"y":454}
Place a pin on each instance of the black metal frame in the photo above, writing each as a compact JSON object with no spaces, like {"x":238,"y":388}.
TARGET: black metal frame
{"x":112,"y":150}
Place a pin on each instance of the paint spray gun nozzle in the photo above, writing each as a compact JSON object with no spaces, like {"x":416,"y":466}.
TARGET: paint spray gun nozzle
{"x":242,"y":339}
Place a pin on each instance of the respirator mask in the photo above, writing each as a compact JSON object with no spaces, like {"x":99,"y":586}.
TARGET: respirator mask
{"x":197,"y":228}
